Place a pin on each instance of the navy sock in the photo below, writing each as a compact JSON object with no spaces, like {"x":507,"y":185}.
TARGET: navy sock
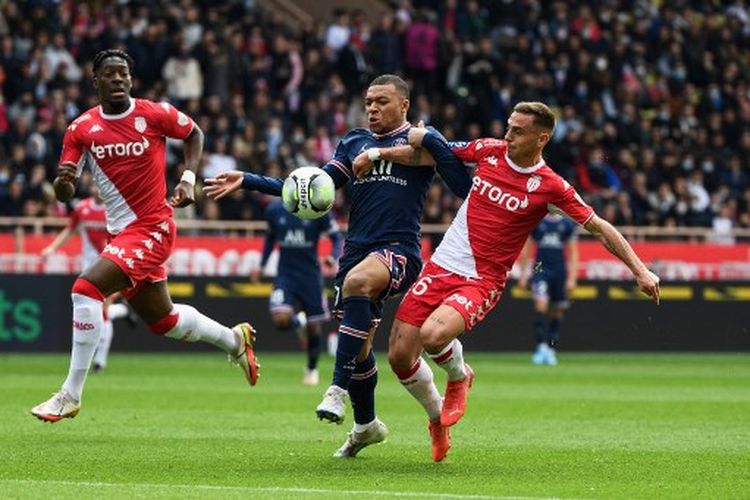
{"x":553,"y":332}
{"x":313,"y":347}
{"x":540,"y":327}
{"x":362,"y":390}
{"x":353,"y":332}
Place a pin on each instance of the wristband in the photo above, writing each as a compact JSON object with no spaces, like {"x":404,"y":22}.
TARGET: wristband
{"x":189,"y":177}
{"x":373,"y":154}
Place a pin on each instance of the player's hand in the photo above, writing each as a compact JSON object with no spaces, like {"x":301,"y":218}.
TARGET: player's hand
{"x":649,"y":284}
{"x":66,"y":171}
{"x":255,"y":275}
{"x":416,"y":134}
{"x":571,"y":284}
{"x":523,"y":282}
{"x":362,"y":165}
{"x":184,"y":195}
{"x":223,"y":184}
{"x":47,"y":251}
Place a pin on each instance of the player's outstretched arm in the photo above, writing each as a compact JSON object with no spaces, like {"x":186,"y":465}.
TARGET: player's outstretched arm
{"x":184,"y":192}
{"x":616,"y":243}
{"x":66,"y":180}
{"x":61,"y":238}
{"x":229,"y":182}
{"x":524,"y":264}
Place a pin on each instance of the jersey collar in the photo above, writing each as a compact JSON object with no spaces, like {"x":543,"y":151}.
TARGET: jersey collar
{"x":524,"y":170}
{"x":392,"y":132}
{"x":118,"y":116}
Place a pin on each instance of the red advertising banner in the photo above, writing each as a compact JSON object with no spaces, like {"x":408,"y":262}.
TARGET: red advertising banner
{"x":238,"y":256}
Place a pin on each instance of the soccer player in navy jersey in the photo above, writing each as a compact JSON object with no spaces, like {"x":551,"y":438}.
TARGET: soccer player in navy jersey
{"x":382,"y":253}
{"x":553,"y":276}
{"x":298,"y":279}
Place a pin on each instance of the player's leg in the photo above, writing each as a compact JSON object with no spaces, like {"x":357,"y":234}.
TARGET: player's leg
{"x":180,"y":321}
{"x":540,"y":293}
{"x":314,"y":304}
{"x":415,"y":375}
{"x":99,"y":280}
{"x":281,"y":304}
{"x":105,"y":339}
{"x":367,"y":429}
{"x":439,"y":335}
{"x":557,"y":307}
{"x":360,"y":284}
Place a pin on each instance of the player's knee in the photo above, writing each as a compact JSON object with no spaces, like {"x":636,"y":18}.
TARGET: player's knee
{"x":282,"y":321}
{"x":84,"y":287}
{"x":359,"y":283}
{"x":434,"y":335}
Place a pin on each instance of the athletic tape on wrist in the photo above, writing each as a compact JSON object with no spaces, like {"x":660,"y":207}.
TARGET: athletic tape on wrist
{"x":189,"y":177}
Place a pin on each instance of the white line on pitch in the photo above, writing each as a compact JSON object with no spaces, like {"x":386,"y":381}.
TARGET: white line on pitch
{"x":254,"y":489}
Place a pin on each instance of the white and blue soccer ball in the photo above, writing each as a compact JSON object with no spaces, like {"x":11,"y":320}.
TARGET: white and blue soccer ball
{"x":308,"y":193}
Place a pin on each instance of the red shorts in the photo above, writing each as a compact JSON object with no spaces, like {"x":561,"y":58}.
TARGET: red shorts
{"x":141,"y":251}
{"x":473,"y":298}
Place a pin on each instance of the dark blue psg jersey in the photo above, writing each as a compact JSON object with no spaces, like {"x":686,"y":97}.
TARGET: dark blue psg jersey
{"x":297,"y":239}
{"x":386,"y":205}
{"x":551,"y":236}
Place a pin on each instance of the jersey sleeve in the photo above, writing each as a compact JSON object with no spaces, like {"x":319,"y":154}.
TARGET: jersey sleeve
{"x":448,"y":165}
{"x":473,"y":151}
{"x":171,"y":122}
{"x":570,"y":202}
{"x":340,"y":167}
{"x":72,"y":150}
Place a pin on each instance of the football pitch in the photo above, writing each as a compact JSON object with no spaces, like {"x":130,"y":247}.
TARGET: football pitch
{"x":187,"y":426}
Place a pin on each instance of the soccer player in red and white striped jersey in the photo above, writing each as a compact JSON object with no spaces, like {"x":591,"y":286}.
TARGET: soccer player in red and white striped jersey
{"x":124,"y":140}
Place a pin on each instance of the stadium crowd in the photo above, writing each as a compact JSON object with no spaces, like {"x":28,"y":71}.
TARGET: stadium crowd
{"x":653,"y":98}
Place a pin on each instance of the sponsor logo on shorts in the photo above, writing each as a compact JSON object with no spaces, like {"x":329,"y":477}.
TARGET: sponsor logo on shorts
{"x":83,"y":326}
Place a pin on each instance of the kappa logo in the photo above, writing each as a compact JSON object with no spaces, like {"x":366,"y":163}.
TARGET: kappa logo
{"x":492,"y":160}
{"x":533,"y":183}
{"x":95,"y":128}
{"x":140,"y":124}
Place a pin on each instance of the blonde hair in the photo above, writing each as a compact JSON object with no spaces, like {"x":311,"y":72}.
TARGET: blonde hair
{"x":543,"y":116}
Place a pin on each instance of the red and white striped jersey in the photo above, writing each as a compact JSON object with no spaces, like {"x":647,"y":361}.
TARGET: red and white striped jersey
{"x":90,"y":220}
{"x":504,"y":205}
{"x":127,"y":155}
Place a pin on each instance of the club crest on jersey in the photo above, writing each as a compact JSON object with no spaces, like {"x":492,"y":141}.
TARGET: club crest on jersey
{"x":533,"y":183}
{"x":400,"y":141}
{"x":140,"y":124}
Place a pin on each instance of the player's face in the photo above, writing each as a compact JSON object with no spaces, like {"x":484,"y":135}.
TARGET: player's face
{"x":385,"y":108}
{"x":525,"y":139}
{"x":113,"y":82}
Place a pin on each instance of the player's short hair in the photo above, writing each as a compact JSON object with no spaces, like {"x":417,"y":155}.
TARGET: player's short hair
{"x":100,"y":57}
{"x":401,"y":86}
{"x":543,"y":116}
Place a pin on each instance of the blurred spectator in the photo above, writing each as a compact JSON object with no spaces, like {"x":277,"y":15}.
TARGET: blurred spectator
{"x":653,"y":98}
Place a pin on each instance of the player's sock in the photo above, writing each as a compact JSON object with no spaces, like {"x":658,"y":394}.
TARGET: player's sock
{"x":540,"y":328}
{"x":419,"y":381}
{"x":553,"y":332}
{"x":353,"y":333}
{"x":105,"y":341}
{"x":87,"y":327}
{"x":451,"y":359}
{"x":186,"y":323}
{"x":362,"y":390}
{"x":117,"y":311}
{"x":313,"y":347}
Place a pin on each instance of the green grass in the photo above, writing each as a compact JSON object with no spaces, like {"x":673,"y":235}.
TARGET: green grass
{"x":185,"y":426}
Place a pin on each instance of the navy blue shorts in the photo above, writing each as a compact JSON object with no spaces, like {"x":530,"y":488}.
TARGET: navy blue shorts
{"x":550,"y":285}
{"x":304,"y":293}
{"x":403,"y":261}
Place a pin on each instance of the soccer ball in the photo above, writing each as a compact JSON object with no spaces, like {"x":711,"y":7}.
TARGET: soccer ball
{"x":308,"y":193}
